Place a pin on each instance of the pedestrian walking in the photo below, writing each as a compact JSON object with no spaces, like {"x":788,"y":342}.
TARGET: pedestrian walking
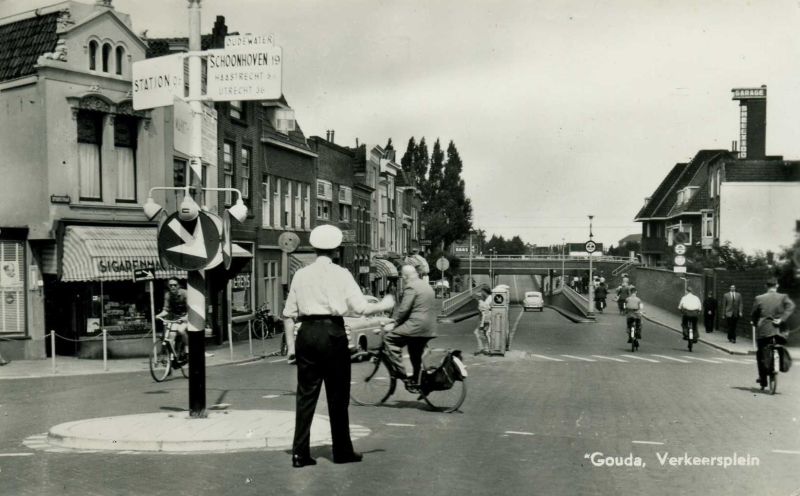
{"x":3,"y":361}
{"x":320,"y":294}
{"x":770,"y":311}
{"x":709,"y":312}
{"x":732,"y":307}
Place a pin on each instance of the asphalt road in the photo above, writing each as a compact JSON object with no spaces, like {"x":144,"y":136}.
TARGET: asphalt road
{"x":530,"y":425}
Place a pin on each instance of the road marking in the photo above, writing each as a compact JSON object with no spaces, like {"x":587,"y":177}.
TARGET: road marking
{"x":701,"y":359}
{"x":647,"y":442}
{"x":252,"y":362}
{"x":519,"y":433}
{"x":579,"y":358}
{"x":400,"y":425}
{"x":547,"y":357}
{"x":611,"y":358}
{"x":16,"y":454}
{"x":730,"y":360}
{"x":787,"y":452}
{"x":270,"y":396}
{"x":641,"y":358}
{"x":514,"y":328}
{"x":671,"y":358}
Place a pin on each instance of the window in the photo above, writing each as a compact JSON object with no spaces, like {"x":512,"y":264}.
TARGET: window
{"x":287,"y":205}
{"x":12,"y":286}
{"x":323,"y":209}
{"x":92,"y":55}
{"x":271,"y":289}
{"x":708,"y":225}
{"x":178,"y":173}
{"x":345,"y":195}
{"x":120,"y":56}
{"x":324,"y":190}
{"x":276,"y":204}
{"x":712,"y":186}
{"x":236,"y":110}
{"x":227,"y":168}
{"x":265,"y":199}
{"x":125,"y":144}
{"x":298,"y":206}
{"x":242,"y":295}
{"x":283,"y":120}
{"x":307,"y":208}
{"x":106,"y":56}
{"x":90,"y":141}
{"x":247,"y":159}
{"x":344,"y":212}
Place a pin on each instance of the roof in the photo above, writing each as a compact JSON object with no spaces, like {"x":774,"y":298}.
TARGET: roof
{"x":661,"y":191}
{"x":630,"y":238}
{"x":24,"y":41}
{"x":764,"y":170}
{"x":156,"y":47}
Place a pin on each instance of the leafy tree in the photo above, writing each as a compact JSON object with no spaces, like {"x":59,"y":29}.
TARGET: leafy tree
{"x":407,"y":162}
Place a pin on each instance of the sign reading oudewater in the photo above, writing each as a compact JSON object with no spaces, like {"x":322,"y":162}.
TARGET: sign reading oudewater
{"x":248,"y":72}
{"x":157,"y":81}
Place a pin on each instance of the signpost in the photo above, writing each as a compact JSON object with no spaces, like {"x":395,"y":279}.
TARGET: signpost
{"x":249,"y":72}
{"x":680,"y":259}
{"x":189,"y":245}
{"x":157,"y":81}
{"x":442,"y":264}
{"x":148,"y":275}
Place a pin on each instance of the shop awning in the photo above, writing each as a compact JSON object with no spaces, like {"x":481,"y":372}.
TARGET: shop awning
{"x":384,"y":268}
{"x":299,"y":260}
{"x":110,"y":253}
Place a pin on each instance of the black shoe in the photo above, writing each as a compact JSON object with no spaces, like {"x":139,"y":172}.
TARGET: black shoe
{"x":291,"y":360}
{"x":353,"y":457}
{"x":301,"y":461}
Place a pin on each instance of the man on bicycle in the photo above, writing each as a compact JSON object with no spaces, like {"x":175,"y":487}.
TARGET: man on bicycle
{"x":770,"y":310}
{"x":690,"y":307}
{"x":175,"y":309}
{"x":633,"y":312}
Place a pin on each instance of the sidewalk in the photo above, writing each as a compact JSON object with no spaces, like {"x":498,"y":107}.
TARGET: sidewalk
{"x":717,"y":339}
{"x":70,"y":366}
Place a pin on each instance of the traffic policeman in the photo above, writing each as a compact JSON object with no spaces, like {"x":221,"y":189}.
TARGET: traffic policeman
{"x":320,"y":294}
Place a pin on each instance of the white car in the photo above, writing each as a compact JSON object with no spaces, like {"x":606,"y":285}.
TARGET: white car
{"x":533,"y":300}
{"x":361,"y":333}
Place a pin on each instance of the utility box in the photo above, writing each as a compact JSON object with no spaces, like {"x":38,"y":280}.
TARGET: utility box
{"x":498,"y":339}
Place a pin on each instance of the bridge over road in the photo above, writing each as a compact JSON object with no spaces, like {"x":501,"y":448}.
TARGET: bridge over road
{"x":541,"y":264}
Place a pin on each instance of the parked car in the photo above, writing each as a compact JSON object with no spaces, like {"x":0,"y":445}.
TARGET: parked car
{"x":361,"y":330}
{"x":533,"y":300}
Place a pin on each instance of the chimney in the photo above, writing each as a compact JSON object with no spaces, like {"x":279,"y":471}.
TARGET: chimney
{"x":104,"y":3}
{"x":356,"y":142}
{"x":733,"y":146}
{"x":752,"y":121}
{"x":331,"y":140}
{"x":219,"y":32}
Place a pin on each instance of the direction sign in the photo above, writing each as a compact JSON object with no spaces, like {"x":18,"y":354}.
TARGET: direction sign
{"x":590,"y":246}
{"x":157,"y":81}
{"x":246,"y":73}
{"x":680,"y":249}
{"x":425,"y":242}
{"x":143,"y":275}
{"x":680,"y":260}
{"x":442,"y":264}
{"x":679,"y":268}
{"x":243,"y":40}
{"x":189,"y":245}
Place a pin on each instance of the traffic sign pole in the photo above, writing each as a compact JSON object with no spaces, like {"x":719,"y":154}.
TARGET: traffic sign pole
{"x":152,"y":311}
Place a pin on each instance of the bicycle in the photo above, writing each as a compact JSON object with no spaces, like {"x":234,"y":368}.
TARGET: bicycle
{"x":690,"y":331}
{"x":635,"y":333}
{"x":771,"y":357}
{"x":163,"y":359}
{"x":375,"y":380}
{"x":263,"y":325}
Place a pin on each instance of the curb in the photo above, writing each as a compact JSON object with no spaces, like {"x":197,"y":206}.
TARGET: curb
{"x":569,"y":315}
{"x":452,"y":319}
{"x":700,"y":339}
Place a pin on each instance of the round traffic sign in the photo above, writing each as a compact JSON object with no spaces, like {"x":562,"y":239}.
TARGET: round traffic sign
{"x":288,"y":242}
{"x":189,"y":245}
{"x":499,"y":299}
{"x":442,"y":264}
{"x":680,"y":249}
{"x":680,"y":260}
{"x":590,"y":246}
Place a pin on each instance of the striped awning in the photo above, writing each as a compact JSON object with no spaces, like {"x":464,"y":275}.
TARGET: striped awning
{"x":110,"y":253}
{"x":384,"y":268}
{"x":299,"y":260}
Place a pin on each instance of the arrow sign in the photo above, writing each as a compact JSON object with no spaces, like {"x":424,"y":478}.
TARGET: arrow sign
{"x":189,"y":245}
{"x":143,"y":275}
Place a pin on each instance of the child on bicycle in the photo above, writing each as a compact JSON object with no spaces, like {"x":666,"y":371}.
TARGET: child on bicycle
{"x":633,"y":312}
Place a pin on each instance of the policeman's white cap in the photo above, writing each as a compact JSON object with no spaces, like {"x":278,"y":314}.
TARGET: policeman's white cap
{"x":325,"y":237}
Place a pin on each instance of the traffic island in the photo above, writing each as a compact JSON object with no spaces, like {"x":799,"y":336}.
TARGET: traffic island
{"x":176,"y":432}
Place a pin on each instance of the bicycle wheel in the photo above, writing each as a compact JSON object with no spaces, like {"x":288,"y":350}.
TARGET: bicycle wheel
{"x":773,"y":382}
{"x":159,"y":361}
{"x":448,"y":400}
{"x":371,"y":382}
{"x":259,"y":329}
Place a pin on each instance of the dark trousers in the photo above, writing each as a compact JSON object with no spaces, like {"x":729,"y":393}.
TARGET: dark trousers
{"x":322,"y":355}
{"x":634,"y":321}
{"x":416,"y":346}
{"x":731,"y":322}
{"x":761,"y":349}
{"x":708,"y":321}
{"x":686,"y":321}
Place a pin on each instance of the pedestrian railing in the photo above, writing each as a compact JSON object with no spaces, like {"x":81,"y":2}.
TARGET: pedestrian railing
{"x":555,"y":258}
{"x":452,"y":304}
{"x":624,"y":267}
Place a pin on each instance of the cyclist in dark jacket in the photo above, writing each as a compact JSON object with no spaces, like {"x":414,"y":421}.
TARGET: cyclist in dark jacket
{"x":600,"y":295}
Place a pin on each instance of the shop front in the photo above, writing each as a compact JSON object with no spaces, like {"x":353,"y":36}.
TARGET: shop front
{"x":93,"y":290}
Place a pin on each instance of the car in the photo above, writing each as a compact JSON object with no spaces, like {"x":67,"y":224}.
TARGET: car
{"x":361,"y":329}
{"x":533,"y":300}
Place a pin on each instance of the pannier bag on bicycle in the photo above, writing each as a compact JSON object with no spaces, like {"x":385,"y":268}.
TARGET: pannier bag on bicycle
{"x":441,"y":369}
{"x":786,"y":358}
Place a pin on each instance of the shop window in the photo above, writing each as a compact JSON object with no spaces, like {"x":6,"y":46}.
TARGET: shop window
{"x":90,"y":140}
{"x":106,"y":56}
{"x":12,"y":287}
{"x":323,"y":210}
{"x":265,"y":198}
{"x":120,"y":52}
{"x":246,"y":163}
{"x":120,"y":307}
{"x":92,"y":55}
{"x":227,"y":168}
{"x":242,"y":292}
{"x":125,"y":145}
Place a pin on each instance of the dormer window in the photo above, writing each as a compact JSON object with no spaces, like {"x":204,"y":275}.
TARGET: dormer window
{"x":686,"y":194}
{"x":283,"y":120}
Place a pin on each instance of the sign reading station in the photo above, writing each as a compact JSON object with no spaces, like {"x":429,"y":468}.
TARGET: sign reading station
{"x":245,"y":73}
{"x":157,"y":81}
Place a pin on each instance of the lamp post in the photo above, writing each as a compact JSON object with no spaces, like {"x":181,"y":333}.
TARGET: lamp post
{"x":492,"y":251}
{"x":563,"y":241}
{"x":469,"y":287}
{"x":591,"y":281}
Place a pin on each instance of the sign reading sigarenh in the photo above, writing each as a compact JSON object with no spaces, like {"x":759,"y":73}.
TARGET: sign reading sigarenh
{"x":248,"y":72}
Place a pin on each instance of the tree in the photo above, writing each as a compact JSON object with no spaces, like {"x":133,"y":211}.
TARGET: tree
{"x":420,"y":163}
{"x":407,"y":162}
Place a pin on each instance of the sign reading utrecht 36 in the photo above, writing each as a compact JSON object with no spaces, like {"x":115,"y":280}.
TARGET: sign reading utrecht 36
{"x":245,"y":73}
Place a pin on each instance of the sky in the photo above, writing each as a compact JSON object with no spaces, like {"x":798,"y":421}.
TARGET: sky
{"x":559,"y":109}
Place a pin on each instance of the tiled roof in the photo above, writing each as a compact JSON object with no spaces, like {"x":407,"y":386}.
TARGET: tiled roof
{"x":661,"y":191}
{"x":22,"y":42}
{"x":744,"y":170}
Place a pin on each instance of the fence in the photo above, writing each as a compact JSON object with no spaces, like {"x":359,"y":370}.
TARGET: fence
{"x":452,"y":304}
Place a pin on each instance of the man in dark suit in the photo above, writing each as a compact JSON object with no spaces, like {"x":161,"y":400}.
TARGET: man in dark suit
{"x":770,"y":311}
{"x":709,"y":311}
{"x":732,"y":307}
{"x":416,"y":318}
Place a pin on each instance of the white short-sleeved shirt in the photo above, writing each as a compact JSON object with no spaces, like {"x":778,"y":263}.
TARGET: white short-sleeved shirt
{"x":690,"y":302}
{"x":323,"y":288}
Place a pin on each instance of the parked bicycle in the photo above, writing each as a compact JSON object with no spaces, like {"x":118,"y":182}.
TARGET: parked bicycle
{"x":263,"y":325}
{"x":374,"y":379}
{"x":164,"y":358}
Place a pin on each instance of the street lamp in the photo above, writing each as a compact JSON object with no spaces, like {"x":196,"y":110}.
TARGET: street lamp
{"x":563,"y":241}
{"x":591,"y":280}
{"x":492,"y":252}
{"x":469,"y":286}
